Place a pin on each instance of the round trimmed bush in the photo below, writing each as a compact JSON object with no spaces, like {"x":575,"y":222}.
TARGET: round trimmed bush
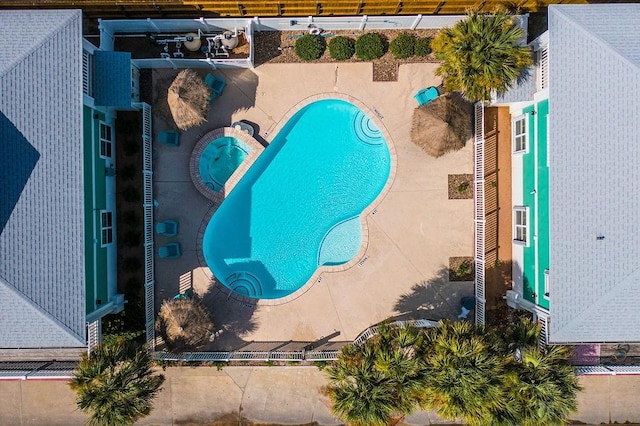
{"x":422,"y":46}
{"x":309,"y":47}
{"x":341,"y":48}
{"x":369,"y":46}
{"x":402,"y":47}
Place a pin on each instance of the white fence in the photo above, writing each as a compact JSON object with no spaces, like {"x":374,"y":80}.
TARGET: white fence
{"x":292,"y":356}
{"x":356,"y":22}
{"x":147,"y":178}
{"x":479,"y":213}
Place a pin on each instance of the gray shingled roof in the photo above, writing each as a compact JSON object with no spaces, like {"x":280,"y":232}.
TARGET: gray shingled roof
{"x":42,"y":274}
{"x":594,"y":66}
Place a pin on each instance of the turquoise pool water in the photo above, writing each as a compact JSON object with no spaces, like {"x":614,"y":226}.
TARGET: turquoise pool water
{"x":298,"y":206}
{"x":220,"y":159}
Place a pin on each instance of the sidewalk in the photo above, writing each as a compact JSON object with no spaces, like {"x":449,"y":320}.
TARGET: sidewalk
{"x":272,"y":395}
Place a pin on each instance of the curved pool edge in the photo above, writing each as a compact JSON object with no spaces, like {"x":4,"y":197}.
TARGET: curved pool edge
{"x":363,"y":216}
{"x":203,"y":142}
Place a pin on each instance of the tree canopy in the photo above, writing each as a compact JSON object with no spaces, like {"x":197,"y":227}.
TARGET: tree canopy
{"x":115,"y":384}
{"x":481,"y":53}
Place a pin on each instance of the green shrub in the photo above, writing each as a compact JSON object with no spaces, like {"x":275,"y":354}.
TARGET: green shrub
{"x":402,"y":47}
{"x":310,"y":47}
{"x":369,"y":46}
{"x":464,"y":269}
{"x":462,"y":187}
{"x":341,"y":48}
{"x":422,"y":46}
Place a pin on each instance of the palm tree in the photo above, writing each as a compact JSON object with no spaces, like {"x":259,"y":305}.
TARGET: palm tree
{"x":465,"y":377}
{"x":543,"y":386}
{"x":540,"y":382}
{"x":479,"y":54}
{"x":115,"y":384}
{"x":382,"y":379}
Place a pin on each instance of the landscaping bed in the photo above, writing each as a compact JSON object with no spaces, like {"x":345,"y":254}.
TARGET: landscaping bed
{"x":278,"y":47}
{"x":461,"y":268}
{"x":460,"y":186}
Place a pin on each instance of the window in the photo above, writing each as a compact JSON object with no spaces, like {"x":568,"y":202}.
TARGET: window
{"x":520,"y":224}
{"x":106,"y":141}
{"x":546,"y":283}
{"x":106,"y":223}
{"x":519,"y":129}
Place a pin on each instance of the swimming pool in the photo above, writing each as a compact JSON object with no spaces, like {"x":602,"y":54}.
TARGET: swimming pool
{"x":219,"y":159}
{"x":298,"y":207}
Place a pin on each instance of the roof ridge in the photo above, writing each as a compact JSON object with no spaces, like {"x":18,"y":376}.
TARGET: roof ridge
{"x":10,"y":287}
{"x":579,"y":26}
{"x":43,"y":39}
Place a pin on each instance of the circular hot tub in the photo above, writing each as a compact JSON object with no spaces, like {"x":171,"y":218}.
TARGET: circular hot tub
{"x":216,"y":157}
{"x":219,"y":159}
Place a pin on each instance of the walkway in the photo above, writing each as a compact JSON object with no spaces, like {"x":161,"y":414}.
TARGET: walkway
{"x":272,"y":395}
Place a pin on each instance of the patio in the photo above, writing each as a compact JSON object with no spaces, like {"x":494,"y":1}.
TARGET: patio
{"x":412,"y":232}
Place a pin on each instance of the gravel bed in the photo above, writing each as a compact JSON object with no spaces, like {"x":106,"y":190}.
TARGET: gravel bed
{"x":278,"y":47}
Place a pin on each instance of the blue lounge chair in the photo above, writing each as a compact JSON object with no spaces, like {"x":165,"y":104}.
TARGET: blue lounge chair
{"x":169,"y":138}
{"x":168,"y":228}
{"x":425,"y":96}
{"x":170,"y":251}
{"x":215,"y":83}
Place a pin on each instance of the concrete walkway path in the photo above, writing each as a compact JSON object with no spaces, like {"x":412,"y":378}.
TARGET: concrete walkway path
{"x":268,"y":395}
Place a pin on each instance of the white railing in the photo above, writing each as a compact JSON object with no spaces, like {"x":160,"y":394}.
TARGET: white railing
{"x":372,"y":331}
{"x":611,"y":370}
{"x":479,"y":214}
{"x":147,"y":184}
{"x":93,"y":334}
{"x":293,"y":356}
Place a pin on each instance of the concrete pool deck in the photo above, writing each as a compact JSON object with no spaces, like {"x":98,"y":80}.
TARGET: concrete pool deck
{"x":412,"y":232}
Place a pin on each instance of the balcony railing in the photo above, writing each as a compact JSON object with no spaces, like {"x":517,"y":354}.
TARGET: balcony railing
{"x":479,"y":213}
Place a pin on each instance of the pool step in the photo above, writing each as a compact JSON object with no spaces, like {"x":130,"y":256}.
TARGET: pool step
{"x":366,"y":130}
{"x":245,"y":284}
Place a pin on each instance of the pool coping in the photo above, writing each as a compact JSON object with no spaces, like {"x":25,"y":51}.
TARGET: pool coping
{"x":194,"y":163}
{"x":371,"y":209}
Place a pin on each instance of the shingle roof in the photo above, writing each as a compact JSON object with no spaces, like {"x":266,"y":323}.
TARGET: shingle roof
{"x":42,"y":278}
{"x":112,"y":78}
{"x":594,"y":103}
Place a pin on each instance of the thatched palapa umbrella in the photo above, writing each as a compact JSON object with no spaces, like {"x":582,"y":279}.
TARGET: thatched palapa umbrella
{"x":443,"y":125}
{"x":184,"y":323}
{"x":188,"y":99}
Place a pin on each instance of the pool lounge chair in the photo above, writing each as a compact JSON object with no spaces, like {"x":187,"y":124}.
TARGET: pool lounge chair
{"x":170,"y":251}
{"x":425,"y":96}
{"x":215,"y":83}
{"x":169,"y":138}
{"x":168,"y":228}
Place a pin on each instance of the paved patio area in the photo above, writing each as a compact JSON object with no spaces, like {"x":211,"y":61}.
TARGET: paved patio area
{"x":413,"y":232}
